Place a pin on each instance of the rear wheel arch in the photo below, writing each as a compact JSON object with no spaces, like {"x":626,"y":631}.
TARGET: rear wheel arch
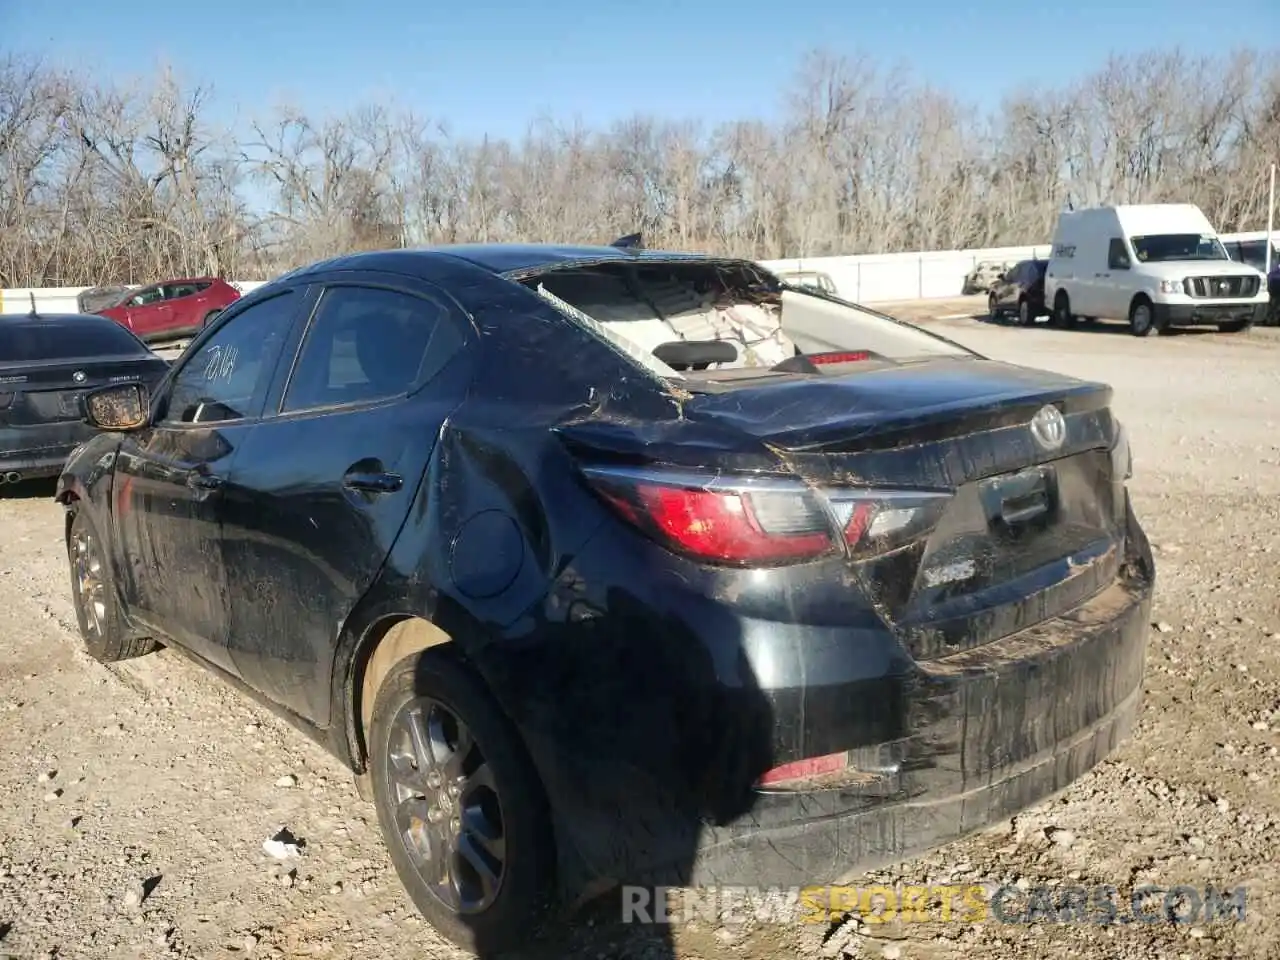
{"x":385,"y":645}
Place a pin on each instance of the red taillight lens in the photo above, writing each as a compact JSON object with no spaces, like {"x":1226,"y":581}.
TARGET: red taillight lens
{"x":753,"y":521}
{"x":738,"y":525}
{"x":853,"y":356}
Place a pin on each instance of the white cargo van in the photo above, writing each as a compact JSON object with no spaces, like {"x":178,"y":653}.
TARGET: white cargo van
{"x":1155,"y":265}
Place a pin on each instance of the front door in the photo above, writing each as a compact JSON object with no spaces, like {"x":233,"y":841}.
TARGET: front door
{"x":319,"y":491}
{"x":169,"y":479}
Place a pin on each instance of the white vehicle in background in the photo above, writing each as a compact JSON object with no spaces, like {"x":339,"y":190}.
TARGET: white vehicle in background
{"x":810,"y":279}
{"x":1158,"y":266}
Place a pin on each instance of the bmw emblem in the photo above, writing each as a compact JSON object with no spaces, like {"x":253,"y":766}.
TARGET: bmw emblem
{"x":78,"y":376}
{"x":1049,"y":428}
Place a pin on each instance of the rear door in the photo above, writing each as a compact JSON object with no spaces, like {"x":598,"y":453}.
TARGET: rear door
{"x":183,"y":303}
{"x":1115,"y":286}
{"x":320,"y":490}
{"x":146,"y":311}
{"x":1007,"y":290}
{"x":169,"y":477}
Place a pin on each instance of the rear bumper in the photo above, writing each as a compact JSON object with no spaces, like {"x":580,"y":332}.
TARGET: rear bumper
{"x":661,"y":724}
{"x":996,"y":739}
{"x":1198,"y":315}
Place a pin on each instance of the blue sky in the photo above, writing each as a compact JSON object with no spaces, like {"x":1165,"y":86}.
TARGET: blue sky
{"x":491,"y":66}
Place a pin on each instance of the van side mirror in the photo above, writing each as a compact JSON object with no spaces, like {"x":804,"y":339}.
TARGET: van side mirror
{"x":123,"y":407}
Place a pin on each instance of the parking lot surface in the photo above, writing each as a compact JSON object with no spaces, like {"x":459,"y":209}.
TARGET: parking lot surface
{"x":137,"y":797}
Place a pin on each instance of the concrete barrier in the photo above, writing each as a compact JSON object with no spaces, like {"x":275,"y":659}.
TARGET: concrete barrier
{"x":867,"y":278}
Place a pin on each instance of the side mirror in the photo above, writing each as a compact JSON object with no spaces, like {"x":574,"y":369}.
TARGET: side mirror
{"x":126,"y":406}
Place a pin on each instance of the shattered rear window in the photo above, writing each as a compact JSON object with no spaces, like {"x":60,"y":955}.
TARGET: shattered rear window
{"x":631,"y":350}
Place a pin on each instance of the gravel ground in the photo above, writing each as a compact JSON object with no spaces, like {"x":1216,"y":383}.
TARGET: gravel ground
{"x":139,"y":796}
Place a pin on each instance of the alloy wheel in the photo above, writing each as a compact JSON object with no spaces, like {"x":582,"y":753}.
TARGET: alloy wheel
{"x":90,"y":584}
{"x":447,"y":810}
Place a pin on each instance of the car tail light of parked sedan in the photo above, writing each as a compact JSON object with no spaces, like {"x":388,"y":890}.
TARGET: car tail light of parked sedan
{"x":578,"y":609}
{"x":776,"y":521}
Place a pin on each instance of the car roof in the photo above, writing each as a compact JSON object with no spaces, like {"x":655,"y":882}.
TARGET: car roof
{"x":502,"y":258}
{"x":88,"y":319}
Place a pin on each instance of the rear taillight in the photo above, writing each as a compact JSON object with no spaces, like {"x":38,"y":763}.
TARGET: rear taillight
{"x":753,"y":521}
{"x":746,"y":524}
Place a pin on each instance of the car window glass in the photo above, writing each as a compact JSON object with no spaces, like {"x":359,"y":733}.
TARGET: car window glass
{"x":224,"y":377}
{"x":1117,"y":256}
{"x":178,"y":290}
{"x":67,"y":340}
{"x":144,"y":297}
{"x":367,"y":343}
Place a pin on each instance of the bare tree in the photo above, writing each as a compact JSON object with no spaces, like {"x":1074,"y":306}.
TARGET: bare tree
{"x":106,"y":183}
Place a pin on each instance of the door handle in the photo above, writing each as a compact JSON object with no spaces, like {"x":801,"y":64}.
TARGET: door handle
{"x":204,"y":481}
{"x":372,"y":482}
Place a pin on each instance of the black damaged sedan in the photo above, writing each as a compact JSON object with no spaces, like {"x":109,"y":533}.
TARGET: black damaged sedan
{"x":600,"y":566}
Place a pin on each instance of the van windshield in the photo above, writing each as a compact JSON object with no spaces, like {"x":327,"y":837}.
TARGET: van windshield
{"x":1164,"y":247}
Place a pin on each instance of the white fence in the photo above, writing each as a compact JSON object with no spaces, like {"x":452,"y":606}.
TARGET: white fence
{"x":868,"y":278}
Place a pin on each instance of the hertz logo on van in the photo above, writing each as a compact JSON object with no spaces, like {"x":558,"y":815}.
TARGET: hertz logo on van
{"x":1064,"y":251}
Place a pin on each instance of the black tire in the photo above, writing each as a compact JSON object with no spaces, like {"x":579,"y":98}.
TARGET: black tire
{"x":106,"y":636}
{"x":434,"y":685}
{"x":1142,"y":317}
{"x":1235,"y":326}
{"x":1063,"y":318}
{"x":993,"y":308}
{"x":1025,"y":319}
{"x":209,"y":318}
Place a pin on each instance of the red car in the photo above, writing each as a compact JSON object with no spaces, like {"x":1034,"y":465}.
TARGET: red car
{"x":174,"y":308}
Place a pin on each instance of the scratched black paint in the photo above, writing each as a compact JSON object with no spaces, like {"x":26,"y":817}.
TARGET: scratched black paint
{"x":650,"y":691}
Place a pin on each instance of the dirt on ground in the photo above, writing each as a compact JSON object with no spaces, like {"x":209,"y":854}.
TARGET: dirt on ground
{"x":137,"y":797}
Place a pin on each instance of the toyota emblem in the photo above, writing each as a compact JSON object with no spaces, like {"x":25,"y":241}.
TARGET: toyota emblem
{"x":78,"y":376}
{"x":1049,"y":428}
